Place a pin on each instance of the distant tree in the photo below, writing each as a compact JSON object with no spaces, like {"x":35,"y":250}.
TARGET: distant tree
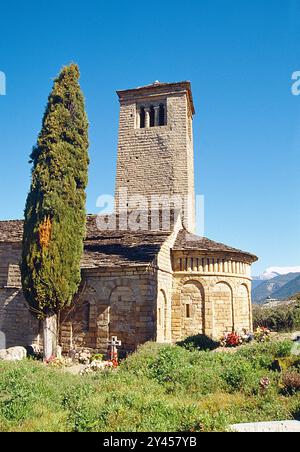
{"x":284,"y":317}
{"x":55,"y":216}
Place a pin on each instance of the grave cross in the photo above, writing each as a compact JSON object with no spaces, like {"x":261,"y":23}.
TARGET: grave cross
{"x":114,"y":343}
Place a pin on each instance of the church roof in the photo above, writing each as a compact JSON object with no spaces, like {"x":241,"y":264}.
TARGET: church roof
{"x":120,"y":248}
{"x":161,"y":88}
{"x":125,"y":248}
{"x":103,"y":248}
{"x":11,"y":231}
{"x":186,"y":241}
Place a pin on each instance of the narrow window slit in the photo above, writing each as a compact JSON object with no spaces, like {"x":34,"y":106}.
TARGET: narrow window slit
{"x":188,"y":311}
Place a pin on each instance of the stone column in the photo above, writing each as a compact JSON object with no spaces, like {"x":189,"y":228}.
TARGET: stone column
{"x":138,"y":119}
{"x":206,"y":264}
{"x":147,"y":117}
{"x":248,"y":270}
{"x":200,"y":266}
{"x":216,"y":267}
{"x":156,"y":115}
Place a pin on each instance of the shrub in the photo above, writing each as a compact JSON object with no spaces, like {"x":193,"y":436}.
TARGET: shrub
{"x":284,"y":349}
{"x":176,"y":368}
{"x":291,"y":382}
{"x":199,"y":342}
{"x":241,"y":375}
{"x":263,"y":355}
{"x":284,"y":364}
{"x":280,"y":318}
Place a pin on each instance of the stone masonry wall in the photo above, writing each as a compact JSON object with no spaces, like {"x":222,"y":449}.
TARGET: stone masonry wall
{"x":210,"y":301}
{"x":112,"y":302}
{"x":16,"y":322}
{"x":119,"y":302}
{"x":165,"y":287}
{"x":157,"y":160}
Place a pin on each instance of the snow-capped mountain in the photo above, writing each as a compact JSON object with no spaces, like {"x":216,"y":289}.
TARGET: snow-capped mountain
{"x":273,"y":272}
{"x":277,"y":283}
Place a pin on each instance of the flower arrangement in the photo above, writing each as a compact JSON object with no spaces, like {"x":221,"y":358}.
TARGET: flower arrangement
{"x":96,"y":366}
{"x":97,"y":357}
{"x":115,"y":360}
{"x":55,"y":362}
{"x":231,"y":340}
{"x":262,"y":334}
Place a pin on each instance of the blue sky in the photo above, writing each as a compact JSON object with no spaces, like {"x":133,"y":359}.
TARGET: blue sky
{"x":239,"y":56}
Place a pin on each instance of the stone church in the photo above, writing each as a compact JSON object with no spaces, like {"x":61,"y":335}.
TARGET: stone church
{"x":142,"y":283}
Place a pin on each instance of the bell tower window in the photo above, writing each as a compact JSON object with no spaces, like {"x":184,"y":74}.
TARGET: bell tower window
{"x":161,"y":115}
{"x":152,"y":116}
{"x":142,"y":117}
{"x":148,"y":116}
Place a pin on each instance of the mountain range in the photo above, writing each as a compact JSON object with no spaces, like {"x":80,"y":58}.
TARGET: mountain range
{"x":277,"y":283}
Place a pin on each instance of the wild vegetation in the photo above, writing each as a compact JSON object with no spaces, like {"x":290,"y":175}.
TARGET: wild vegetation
{"x":158,"y":388}
{"x":284,"y":317}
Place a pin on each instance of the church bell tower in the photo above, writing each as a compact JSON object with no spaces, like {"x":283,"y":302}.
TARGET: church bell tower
{"x":155,"y":149}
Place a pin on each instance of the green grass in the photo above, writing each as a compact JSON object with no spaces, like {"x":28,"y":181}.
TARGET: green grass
{"x":159,"y":388}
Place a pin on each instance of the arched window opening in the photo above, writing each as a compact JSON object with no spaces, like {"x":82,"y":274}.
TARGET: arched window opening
{"x":142,"y":117}
{"x":152,"y":116}
{"x":162,"y":115}
{"x":192,"y":300}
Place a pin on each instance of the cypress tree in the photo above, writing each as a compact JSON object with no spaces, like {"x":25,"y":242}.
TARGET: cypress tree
{"x":55,"y":216}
